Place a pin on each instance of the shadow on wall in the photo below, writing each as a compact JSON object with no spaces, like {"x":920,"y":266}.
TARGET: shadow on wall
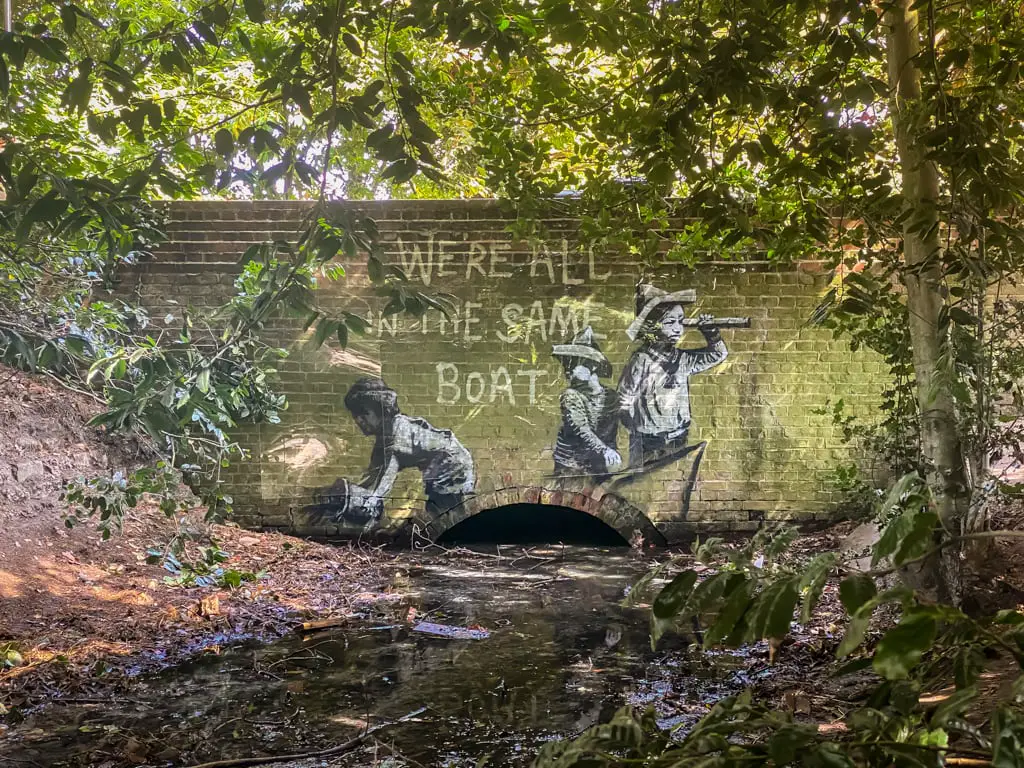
{"x":533,"y":524}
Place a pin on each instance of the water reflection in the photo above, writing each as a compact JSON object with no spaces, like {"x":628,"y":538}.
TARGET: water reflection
{"x":563,"y":654}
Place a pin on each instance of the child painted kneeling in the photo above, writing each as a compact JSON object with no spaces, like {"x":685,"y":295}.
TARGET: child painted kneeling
{"x":408,"y":442}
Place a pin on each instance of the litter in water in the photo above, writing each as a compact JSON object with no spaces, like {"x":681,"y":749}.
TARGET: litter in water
{"x":473,"y":632}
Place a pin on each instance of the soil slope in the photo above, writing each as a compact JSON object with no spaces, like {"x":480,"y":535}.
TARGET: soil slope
{"x":84,"y":614}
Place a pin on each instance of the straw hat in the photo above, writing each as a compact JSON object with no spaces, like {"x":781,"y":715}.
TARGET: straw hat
{"x":648,"y":297}
{"x":584,"y":346}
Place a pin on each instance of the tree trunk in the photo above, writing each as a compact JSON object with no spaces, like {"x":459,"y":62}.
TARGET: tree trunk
{"x":940,"y":443}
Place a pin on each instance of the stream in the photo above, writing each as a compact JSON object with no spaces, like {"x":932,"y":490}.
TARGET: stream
{"x":563,"y":654}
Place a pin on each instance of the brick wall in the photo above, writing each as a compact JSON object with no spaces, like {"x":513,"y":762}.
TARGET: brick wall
{"x":487,"y":374}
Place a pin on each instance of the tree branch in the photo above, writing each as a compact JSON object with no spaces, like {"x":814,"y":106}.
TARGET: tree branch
{"x":241,"y":762}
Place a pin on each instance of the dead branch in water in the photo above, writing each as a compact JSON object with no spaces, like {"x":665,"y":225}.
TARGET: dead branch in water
{"x":241,"y":762}
{"x":421,"y":543}
{"x":336,"y":621}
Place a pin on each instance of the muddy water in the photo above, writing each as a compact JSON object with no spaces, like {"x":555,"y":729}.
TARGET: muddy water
{"x":563,"y":654}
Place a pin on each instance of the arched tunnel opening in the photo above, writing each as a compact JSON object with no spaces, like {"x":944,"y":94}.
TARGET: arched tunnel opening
{"x":533,"y":524}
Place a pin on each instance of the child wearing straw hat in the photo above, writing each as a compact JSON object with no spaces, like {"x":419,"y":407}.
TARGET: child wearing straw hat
{"x":590,"y":419}
{"x":654,"y":393}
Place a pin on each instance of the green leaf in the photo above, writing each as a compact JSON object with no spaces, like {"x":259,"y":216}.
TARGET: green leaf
{"x":856,"y":631}
{"x":906,"y":485}
{"x":1008,"y":739}
{"x":829,"y":756}
{"x":224,"y":142}
{"x":919,"y":537}
{"x":674,"y":595}
{"x":953,"y":707}
{"x":356,"y":323}
{"x":737,"y":601}
{"x":901,"y":648}
{"x":352,"y":44}
{"x":772,"y":612}
{"x":203,"y":380}
{"x":375,"y":138}
{"x":79,"y":90}
{"x":342,"y":335}
{"x":962,"y":317}
{"x":49,"y":48}
{"x":788,"y":741}
{"x":669,"y":601}
{"x":275,"y":172}
{"x":250,"y":253}
{"x":855,"y":591}
{"x":375,"y":268}
{"x":324,"y":328}
{"x":812,"y":583}
{"x":47,"y":209}
{"x":968,"y":665}
{"x":708,"y":593}
{"x":256,"y":10}
{"x":422,"y":132}
{"x":68,"y":19}
{"x":206,"y":32}
{"x":400,"y":170}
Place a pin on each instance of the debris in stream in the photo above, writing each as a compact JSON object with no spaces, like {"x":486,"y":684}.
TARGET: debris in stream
{"x":472,"y":632}
{"x":554,"y":663}
{"x":244,"y":762}
{"x":334,"y":621}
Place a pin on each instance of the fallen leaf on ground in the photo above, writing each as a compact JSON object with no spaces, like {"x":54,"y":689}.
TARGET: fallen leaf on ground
{"x":209,"y":606}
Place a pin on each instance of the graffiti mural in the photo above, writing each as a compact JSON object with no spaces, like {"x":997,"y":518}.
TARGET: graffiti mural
{"x":401,"y":442}
{"x":654,"y":391}
{"x":654,"y":388}
{"x":607,"y":437}
{"x":590,"y":411}
{"x":652,"y":400}
{"x":566,"y":367}
{"x":651,"y":403}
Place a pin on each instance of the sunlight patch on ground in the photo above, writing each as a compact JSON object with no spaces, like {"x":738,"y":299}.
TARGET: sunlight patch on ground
{"x":63,"y":580}
{"x":93,"y":649}
{"x":9,"y":584}
{"x":130,"y":596}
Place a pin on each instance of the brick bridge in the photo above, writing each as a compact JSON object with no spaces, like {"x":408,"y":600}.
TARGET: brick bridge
{"x":556,"y":380}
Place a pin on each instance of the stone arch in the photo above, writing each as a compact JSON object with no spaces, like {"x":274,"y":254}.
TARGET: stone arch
{"x":611,"y":509}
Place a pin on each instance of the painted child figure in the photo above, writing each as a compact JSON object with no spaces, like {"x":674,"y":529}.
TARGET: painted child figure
{"x":654,"y":392}
{"x":586,"y":439}
{"x":408,"y":442}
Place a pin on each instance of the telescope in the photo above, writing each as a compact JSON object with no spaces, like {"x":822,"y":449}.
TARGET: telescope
{"x":719,"y":322}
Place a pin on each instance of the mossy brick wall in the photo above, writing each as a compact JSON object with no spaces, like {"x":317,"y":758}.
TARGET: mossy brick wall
{"x":488,"y":375}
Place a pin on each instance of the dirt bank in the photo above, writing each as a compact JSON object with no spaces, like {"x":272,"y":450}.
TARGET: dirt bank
{"x":81,"y":615}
